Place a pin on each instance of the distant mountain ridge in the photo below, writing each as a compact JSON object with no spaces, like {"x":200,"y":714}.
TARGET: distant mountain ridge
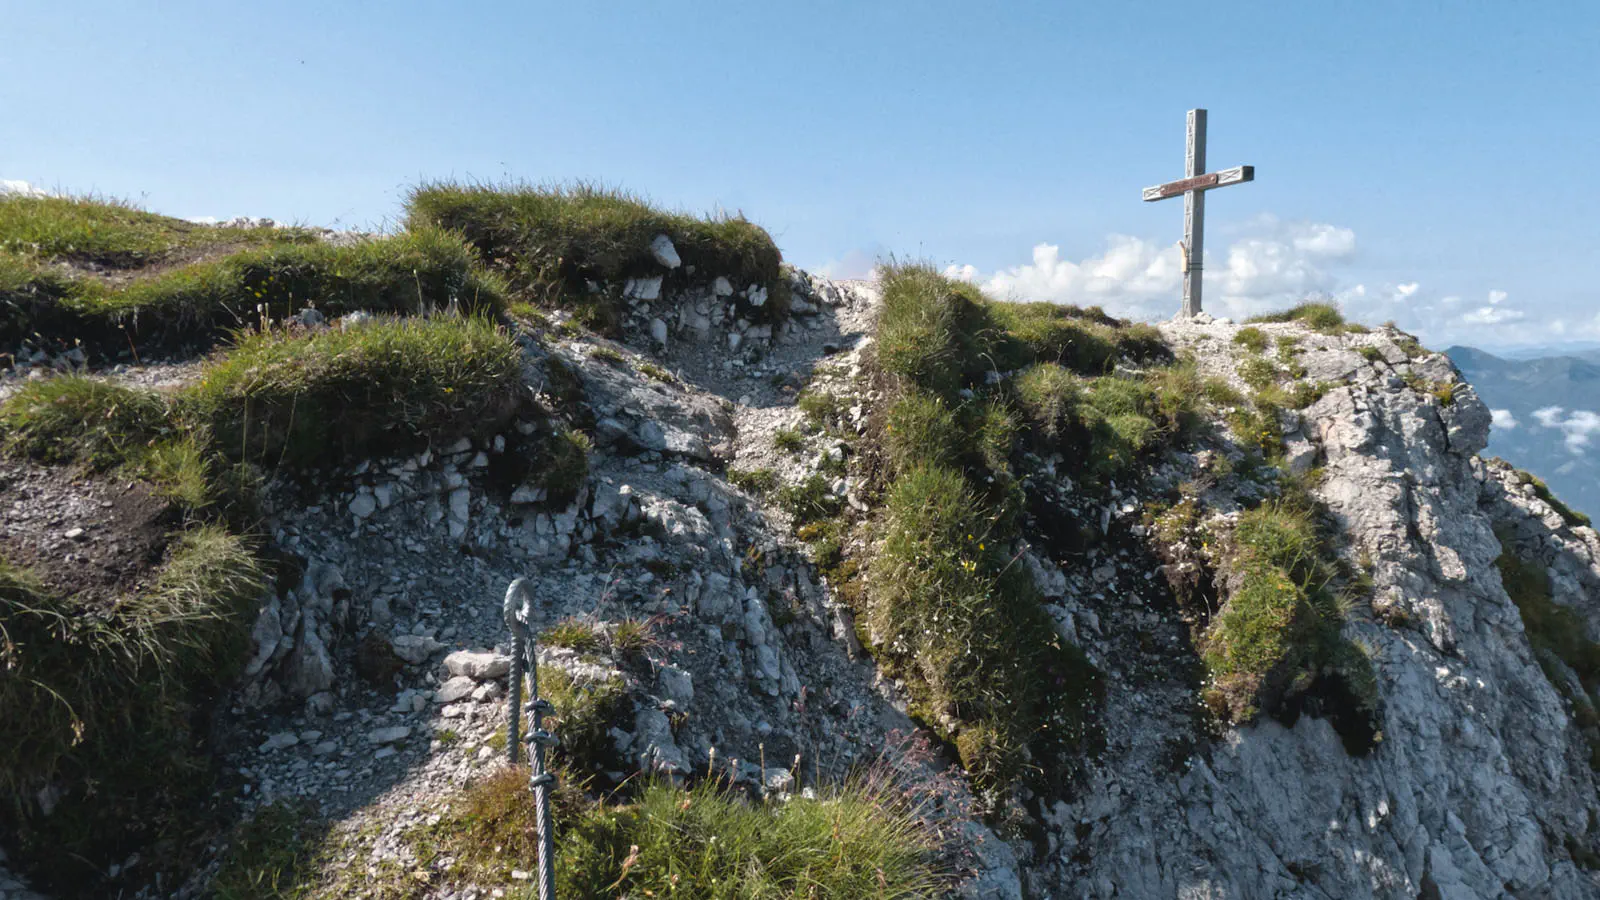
{"x":1562,"y":448}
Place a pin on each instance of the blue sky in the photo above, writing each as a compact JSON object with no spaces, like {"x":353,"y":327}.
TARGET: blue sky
{"x":1433,"y":163}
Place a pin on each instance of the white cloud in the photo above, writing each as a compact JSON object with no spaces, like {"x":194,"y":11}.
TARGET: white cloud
{"x":860,"y":263}
{"x":1271,"y":264}
{"x":1497,"y":297}
{"x":11,"y":186}
{"x":1579,"y":426}
{"x":1548,"y":416}
{"x":1502,"y":419}
{"x":1406,"y":290}
{"x":1492,"y":315}
{"x":1328,"y":241}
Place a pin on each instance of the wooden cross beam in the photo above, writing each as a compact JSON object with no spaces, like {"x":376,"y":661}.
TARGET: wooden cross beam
{"x":1193,"y":187}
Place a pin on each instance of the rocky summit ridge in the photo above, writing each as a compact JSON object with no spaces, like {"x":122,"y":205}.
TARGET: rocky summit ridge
{"x":1314,"y":644}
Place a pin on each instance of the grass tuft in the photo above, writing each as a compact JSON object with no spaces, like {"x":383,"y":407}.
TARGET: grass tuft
{"x":115,"y":693}
{"x":415,"y":272}
{"x":948,"y":613}
{"x":711,"y":842}
{"x":379,"y":389}
{"x":552,"y":241}
{"x":1276,"y":641}
{"x":1323,"y":317}
{"x":1252,"y":339}
{"x":79,"y":419}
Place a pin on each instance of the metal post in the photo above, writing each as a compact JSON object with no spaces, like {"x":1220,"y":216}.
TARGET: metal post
{"x":541,"y":781}
{"x":518,"y":610}
{"x":1194,"y":212}
{"x":515,"y":609}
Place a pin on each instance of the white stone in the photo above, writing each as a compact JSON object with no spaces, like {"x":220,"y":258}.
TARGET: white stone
{"x":415,"y":648}
{"x":281,"y":740}
{"x":389,"y":735}
{"x":363,"y":505}
{"x":666,"y":254}
{"x":528,"y":493}
{"x":460,"y":503}
{"x":642,"y":288}
{"x":454,"y":689}
{"x":477,"y":664}
{"x":658,"y":331}
{"x":722,"y":287}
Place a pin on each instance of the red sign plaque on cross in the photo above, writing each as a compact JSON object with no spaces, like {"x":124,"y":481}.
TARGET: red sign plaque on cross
{"x":1193,"y":187}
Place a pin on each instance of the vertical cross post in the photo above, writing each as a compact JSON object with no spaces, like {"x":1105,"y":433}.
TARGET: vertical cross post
{"x":1192,"y":186}
{"x":1194,"y":213}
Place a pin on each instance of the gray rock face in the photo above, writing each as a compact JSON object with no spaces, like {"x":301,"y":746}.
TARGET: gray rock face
{"x":1479,"y":781}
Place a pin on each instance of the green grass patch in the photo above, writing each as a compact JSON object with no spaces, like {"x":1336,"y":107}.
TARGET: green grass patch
{"x":550,"y":241}
{"x":1275,"y":646}
{"x":1218,"y":392}
{"x":116,"y":694}
{"x":565,"y":465}
{"x":948,"y":613}
{"x":859,"y":839}
{"x":410,"y":273}
{"x":585,"y":713}
{"x":111,"y":233}
{"x":1323,"y":317}
{"x":810,"y":500}
{"x":379,"y":389}
{"x":608,"y":355}
{"x":823,"y":411}
{"x":788,"y":440}
{"x":271,"y":855}
{"x":711,"y":842}
{"x":1258,"y":372}
{"x":1552,"y":629}
{"x":78,"y":419}
{"x":922,"y":430}
{"x":573,"y":634}
{"x":655,"y":372}
{"x":1252,"y":339}
{"x":755,"y":481}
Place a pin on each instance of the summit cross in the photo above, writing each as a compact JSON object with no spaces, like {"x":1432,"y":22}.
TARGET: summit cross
{"x":1193,"y":186}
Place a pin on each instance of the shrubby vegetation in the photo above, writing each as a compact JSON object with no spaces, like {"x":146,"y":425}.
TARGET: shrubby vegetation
{"x":552,"y":241}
